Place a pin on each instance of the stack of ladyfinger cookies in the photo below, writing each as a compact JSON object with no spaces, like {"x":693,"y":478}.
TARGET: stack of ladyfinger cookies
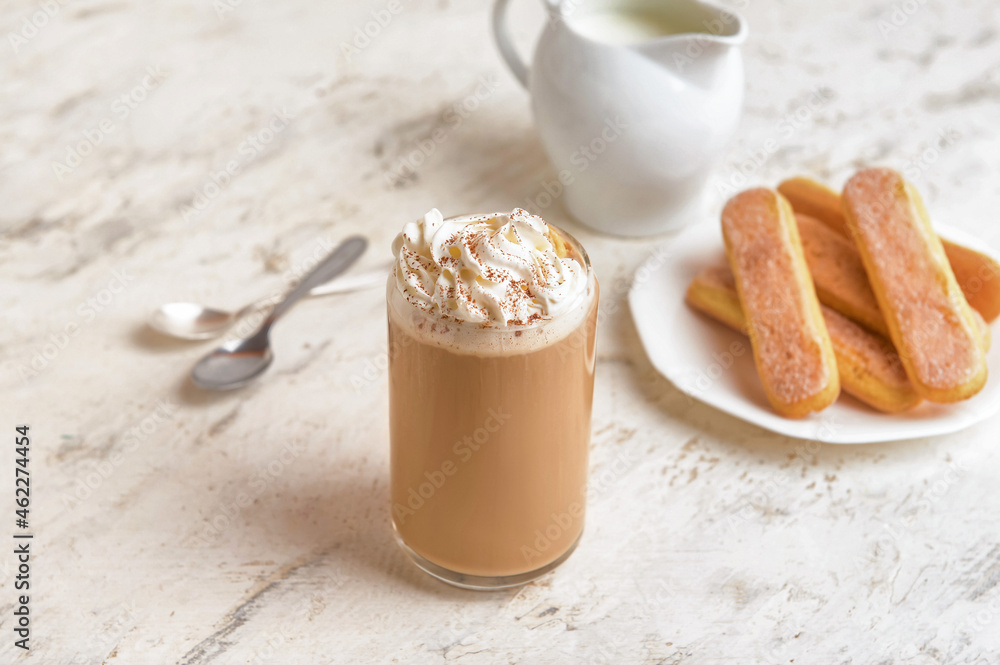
{"x":851,"y":291}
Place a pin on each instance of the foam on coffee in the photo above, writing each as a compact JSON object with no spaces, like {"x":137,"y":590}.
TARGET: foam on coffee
{"x":511,"y":274}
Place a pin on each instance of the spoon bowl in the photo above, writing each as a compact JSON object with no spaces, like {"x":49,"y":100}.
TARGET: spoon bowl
{"x":234,"y":364}
{"x":188,"y":320}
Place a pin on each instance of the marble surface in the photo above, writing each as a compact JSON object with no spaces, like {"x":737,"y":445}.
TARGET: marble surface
{"x":173,"y":525}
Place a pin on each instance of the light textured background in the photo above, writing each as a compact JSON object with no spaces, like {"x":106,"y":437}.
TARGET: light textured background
{"x":708,"y":540}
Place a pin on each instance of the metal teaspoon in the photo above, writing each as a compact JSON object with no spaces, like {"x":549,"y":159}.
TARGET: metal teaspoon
{"x":191,"y":321}
{"x":239,"y":361}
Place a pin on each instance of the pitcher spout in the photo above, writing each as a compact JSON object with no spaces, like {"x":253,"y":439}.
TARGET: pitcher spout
{"x":691,"y":38}
{"x":700,"y":57}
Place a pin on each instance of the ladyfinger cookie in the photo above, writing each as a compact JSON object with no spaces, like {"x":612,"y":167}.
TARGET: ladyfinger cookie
{"x":809,"y":197}
{"x":977,"y":274}
{"x":839,"y":274}
{"x":841,"y":281}
{"x":791,"y":345}
{"x":868,"y":364}
{"x":929,"y":321}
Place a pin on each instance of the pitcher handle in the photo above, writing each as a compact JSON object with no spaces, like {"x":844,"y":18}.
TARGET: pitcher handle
{"x":505,"y":45}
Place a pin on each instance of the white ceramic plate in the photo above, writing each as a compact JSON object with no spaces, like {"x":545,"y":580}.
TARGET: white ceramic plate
{"x":713,"y":364}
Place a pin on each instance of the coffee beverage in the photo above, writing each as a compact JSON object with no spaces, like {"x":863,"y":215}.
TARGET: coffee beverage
{"x":492,"y":323}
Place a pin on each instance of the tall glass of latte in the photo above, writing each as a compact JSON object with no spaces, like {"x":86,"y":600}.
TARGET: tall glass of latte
{"x":492,"y":321}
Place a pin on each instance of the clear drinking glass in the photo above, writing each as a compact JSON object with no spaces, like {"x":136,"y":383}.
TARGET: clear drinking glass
{"x":490,"y":430}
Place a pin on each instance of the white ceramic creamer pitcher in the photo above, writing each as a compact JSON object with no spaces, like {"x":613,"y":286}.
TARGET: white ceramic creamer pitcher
{"x":635,"y":101}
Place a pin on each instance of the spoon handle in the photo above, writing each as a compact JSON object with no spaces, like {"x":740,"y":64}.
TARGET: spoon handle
{"x":338,"y":261}
{"x":355,"y":282}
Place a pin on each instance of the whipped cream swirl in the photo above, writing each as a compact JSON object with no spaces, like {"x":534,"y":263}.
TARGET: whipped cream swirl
{"x":498,"y":270}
